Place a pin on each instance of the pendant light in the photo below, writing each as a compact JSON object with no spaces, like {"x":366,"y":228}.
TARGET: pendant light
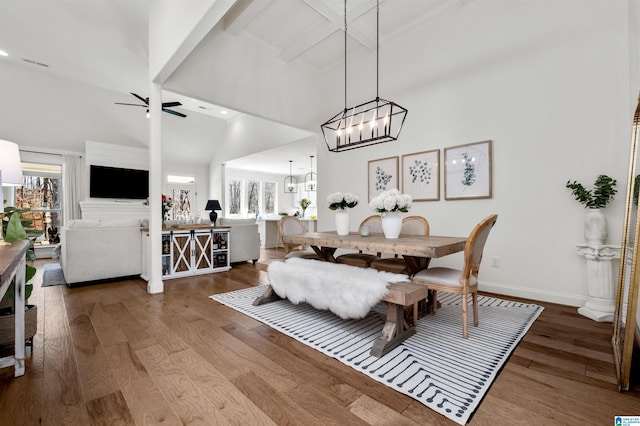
{"x":290,"y":182}
{"x":370,"y":123}
{"x":311,"y":179}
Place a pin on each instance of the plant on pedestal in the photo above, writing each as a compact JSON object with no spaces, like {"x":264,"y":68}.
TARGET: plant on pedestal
{"x":595,"y":229}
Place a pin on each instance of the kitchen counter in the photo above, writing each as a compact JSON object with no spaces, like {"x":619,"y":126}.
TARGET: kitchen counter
{"x":269,"y":235}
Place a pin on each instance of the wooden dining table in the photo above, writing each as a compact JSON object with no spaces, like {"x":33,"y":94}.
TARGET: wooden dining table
{"x":417,"y":250}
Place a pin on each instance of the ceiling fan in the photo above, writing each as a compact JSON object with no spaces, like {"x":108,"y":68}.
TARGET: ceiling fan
{"x":165,"y":105}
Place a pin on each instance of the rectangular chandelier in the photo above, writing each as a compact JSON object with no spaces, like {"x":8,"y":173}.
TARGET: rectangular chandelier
{"x":370,"y":123}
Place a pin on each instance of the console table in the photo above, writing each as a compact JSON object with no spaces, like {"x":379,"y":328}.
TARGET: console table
{"x":269,"y":235}
{"x":13,"y":264}
{"x":190,"y":249}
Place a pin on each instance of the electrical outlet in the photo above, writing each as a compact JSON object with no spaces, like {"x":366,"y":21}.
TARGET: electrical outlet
{"x":495,"y":262}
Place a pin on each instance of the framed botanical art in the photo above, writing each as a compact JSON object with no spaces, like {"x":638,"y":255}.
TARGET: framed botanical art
{"x":421,"y":175}
{"x":383,"y":175}
{"x":467,"y":171}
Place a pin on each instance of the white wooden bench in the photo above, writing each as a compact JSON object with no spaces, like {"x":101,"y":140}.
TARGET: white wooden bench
{"x":396,"y":328}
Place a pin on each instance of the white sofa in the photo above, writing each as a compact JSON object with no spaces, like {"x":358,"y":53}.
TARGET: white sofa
{"x":244,"y":239}
{"x":94,"y":250}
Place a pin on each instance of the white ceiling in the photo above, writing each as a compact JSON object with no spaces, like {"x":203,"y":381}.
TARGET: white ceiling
{"x":312,"y":30}
{"x":104,"y":44}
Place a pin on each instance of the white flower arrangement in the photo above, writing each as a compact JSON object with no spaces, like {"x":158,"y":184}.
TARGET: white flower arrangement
{"x":391,"y":201}
{"x":341,"y":201}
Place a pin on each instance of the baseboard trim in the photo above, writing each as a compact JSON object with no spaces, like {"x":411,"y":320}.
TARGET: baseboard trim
{"x":526,"y":293}
{"x":155,"y":287}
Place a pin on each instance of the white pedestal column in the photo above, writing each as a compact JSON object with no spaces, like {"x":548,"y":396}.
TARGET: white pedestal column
{"x":601,"y":286}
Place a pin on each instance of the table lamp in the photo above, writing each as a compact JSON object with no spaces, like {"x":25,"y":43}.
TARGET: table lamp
{"x":213,"y":205}
{"x":10,"y":173}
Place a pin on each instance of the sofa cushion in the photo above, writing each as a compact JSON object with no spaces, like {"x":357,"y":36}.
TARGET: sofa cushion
{"x":99,"y":223}
{"x":120,"y":223}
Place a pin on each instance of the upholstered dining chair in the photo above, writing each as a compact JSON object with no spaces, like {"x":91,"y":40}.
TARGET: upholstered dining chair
{"x":464,"y":281}
{"x":361,"y":259}
{"x":411,"y":225}
{"x":291,"y":225}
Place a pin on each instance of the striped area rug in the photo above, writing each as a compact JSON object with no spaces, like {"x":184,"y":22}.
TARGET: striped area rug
{"x":436,"y":366}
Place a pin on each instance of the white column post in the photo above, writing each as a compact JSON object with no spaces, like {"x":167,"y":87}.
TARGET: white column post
{"x":154,"y":262}
{"x":601,"y":285}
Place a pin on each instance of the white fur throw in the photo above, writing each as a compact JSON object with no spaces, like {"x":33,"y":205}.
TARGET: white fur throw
{"x":347,"y":291}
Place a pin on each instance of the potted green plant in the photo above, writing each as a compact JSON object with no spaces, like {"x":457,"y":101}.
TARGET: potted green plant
{"x":595,"y":199}
{"x":14,"y":230}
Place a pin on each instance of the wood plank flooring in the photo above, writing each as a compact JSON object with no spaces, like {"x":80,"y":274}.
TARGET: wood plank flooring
{"x":112,"y":354}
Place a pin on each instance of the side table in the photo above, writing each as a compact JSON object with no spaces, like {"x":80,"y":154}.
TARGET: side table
{"x":12,"y":264}
{"x":601,"y":286}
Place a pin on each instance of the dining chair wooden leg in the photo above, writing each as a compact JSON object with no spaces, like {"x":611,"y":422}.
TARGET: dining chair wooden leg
{"x":434,"y":302}
{"x":475,"y":308}
{"x":465,"y":316}
{"x":415,"y":314}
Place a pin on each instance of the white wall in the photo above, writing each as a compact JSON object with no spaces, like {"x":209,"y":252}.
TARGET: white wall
{"x":242,"y":136}
{"x":548,"y":82}
{"x":249,"y":77}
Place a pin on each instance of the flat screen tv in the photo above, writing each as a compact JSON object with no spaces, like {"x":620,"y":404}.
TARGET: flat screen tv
{"x":115,"y":182}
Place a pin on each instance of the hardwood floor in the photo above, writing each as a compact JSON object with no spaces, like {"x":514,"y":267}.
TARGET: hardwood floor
{"x":112,"y":354}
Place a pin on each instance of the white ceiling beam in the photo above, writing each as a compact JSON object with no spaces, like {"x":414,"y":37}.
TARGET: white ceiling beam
{"x":306,"y":41}
{"x":211,"y":17}
{"x":243,"y":13}
{"x":354,"y":30}
{"x":320,"y":31}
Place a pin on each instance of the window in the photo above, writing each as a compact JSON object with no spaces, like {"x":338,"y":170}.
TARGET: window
{"x":42,"y":193}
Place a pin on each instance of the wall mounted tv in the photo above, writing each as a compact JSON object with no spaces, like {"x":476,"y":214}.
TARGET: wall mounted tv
{"x":115,"y":182}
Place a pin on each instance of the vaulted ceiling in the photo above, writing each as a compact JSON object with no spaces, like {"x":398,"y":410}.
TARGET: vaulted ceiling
{"x":74,"y":59}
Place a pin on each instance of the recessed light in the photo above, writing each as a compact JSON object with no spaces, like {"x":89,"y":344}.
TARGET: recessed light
{"x":3,"y":53}
{"x":223,"y":112}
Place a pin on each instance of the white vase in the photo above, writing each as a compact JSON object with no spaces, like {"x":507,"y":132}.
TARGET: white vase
{"x":342,"y":222}
{"x":595,"y":227}
{"x":391,"y":224}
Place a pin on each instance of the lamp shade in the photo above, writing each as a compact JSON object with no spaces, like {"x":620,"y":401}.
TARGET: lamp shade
{"x":10,"y":164}
{"x":213,"y":205}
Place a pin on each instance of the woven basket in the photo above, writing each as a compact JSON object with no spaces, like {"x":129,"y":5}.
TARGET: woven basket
{"x":7,"y":326}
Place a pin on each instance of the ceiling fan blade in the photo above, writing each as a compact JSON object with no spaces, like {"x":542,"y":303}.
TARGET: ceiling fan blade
{"x":171,"y":104}
{"x":146,"y":101}
{"x":121,"y":103}
{"x":179,"y":114}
